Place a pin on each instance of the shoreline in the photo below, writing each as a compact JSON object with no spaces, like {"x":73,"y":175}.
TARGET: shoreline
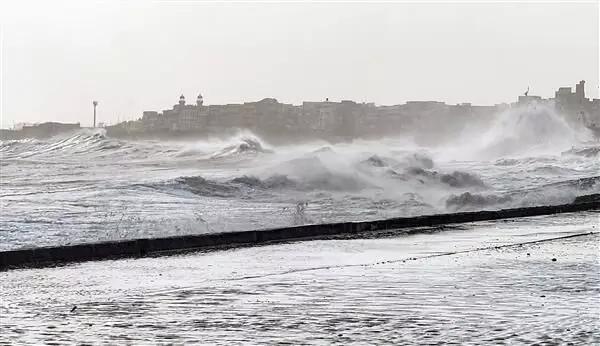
{"x":136,"y":248}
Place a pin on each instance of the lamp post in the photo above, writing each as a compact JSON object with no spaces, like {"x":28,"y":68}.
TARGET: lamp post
{"x":95,"y":103}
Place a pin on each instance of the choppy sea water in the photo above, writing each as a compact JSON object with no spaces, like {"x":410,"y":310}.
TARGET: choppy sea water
{"x":476,"y":284}
{"x":85,"y":186}
{"x":480,"y":283}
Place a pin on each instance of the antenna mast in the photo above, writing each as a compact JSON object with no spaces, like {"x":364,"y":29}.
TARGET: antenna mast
{"x":95,"y":103}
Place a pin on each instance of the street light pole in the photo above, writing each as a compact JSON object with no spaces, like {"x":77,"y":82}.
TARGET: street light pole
{"x":95,"y":103}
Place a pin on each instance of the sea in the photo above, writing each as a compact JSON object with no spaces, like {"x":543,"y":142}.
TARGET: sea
{"x":532,"y":280}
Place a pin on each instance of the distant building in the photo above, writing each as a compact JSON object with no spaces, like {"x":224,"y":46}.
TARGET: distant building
{"x":19,"y":126}
{"x":182,"y":117}
{"x":565,"y":99}
{"x":529,"y":99}
{"x":575,"y":105}
{"x":48,"y":129}
{"x":346,"y":119}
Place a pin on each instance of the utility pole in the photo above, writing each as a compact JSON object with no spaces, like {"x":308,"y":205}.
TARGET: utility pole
{"x":95,"y":103}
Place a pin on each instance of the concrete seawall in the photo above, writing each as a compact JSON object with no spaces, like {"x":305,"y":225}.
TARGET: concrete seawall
{"x":47,"y":256}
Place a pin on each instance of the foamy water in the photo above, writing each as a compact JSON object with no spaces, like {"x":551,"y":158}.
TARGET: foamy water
{"x":483,"y":283}
{"x":85,"y":186}
{"x":525,"y":281}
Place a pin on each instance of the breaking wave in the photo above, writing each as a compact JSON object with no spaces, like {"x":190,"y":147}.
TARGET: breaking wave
{"x":403,"y":180}
{"x":95,"y":143}
{"x":85,"y":143}
{"x":588,"y":150}
{"x":246,"y":145}
{"x":517,"y":132}
{"x":523,"y":158}
{"x":555,"y":193}
{"x":392,"y":173}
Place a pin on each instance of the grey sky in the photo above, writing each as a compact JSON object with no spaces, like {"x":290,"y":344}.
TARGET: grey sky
{"x":132,"y":56}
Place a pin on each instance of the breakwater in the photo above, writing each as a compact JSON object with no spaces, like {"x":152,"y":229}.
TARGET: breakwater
{"x":47,"y":256}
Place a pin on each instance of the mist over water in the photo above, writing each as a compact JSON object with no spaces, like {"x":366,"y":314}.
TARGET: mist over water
{"x":519,"y":132}
{"x":85,"y":186}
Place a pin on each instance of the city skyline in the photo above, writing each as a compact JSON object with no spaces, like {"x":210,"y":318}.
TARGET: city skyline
{"x":325,"y":120}
{"x":199,"y":96}
{"x":483,"y":54}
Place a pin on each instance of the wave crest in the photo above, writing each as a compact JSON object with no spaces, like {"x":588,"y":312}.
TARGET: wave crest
{"x":81,"y":142}
{"x":245,"y":145}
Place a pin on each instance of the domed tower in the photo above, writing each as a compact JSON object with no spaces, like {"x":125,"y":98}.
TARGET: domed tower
{"x":181,"y":100}
{"x":199,"y":100}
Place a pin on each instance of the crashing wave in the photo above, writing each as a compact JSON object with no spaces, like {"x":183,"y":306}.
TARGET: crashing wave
{"x":375,"y":161}
{"x":247,"y":145}
{"x":455,"y":179}
{"x":554,"y":193}
{"x":421,"y":160}
{"x":203,"y":187}
{"x":82,"y":142}
{"x":245,"y":184}
{"x":521,"y":131}
{"x":462,"y":179}
{"x":325,"y":149}
{"x":413,"y":160}
{"x":592,"y":151}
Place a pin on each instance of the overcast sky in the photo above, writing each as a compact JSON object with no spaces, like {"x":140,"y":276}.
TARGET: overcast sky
{"x":58,"y":56}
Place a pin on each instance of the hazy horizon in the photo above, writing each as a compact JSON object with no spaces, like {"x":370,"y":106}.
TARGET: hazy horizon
{"x":138,"y":56}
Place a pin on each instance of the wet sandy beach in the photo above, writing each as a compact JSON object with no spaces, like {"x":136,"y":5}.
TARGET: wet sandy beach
{"x":482,"y":283}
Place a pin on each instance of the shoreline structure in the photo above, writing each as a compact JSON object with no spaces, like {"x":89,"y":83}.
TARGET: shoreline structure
{"x":136,"y":248}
